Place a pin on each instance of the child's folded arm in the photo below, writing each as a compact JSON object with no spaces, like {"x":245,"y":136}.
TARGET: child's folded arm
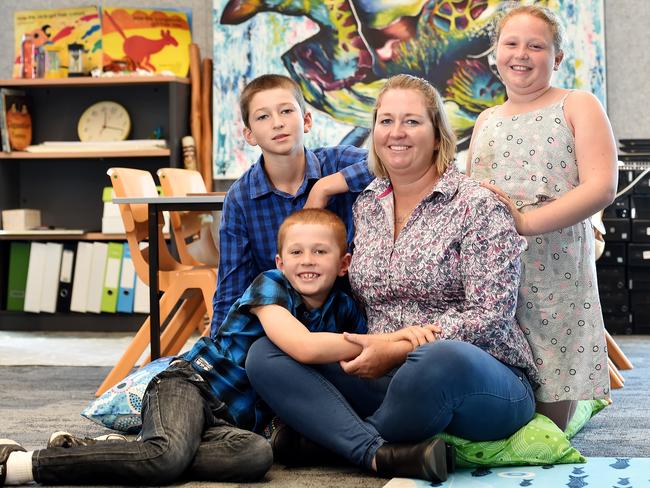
{"x":290,"y":335}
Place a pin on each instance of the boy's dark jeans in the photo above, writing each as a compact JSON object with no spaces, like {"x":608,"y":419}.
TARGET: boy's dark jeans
{"x":180,"y":438}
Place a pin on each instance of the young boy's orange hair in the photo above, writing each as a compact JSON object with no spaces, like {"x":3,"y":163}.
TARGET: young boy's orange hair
{"x":267,"y":82}
{"x":315,"y":216}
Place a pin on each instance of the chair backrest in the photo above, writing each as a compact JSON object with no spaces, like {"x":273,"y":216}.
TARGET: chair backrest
{"x":179,"y":181}
{"x":129,"y":182}
{"x":193,"y":237}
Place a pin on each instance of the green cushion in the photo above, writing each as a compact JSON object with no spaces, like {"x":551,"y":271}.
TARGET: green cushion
{"x":539,"y":442}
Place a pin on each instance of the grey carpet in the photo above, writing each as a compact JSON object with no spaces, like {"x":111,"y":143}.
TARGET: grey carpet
{"x":37,"y":400}
{"x":623,"y":428}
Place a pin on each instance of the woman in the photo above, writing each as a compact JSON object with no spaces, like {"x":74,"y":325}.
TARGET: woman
{"x":431,"y":248}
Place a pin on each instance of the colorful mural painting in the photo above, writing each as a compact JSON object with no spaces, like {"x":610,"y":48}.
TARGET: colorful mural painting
{"x":342,"y":51}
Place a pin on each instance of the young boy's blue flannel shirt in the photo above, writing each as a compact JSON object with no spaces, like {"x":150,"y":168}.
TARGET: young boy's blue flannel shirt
{"x":220,"y":361}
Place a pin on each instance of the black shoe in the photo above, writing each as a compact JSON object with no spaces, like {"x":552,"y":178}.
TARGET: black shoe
{"x":65,"y":439}
{"x":295,"y":450}
{"x":430,"y":460}
{"x":7,"y":447}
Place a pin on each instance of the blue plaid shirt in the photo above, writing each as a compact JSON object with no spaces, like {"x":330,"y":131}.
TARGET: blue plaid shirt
{"x":220,"y":361}
{"x":253,"y":211}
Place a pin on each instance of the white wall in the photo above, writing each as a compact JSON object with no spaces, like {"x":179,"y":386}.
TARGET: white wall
{"x":627,"y":31}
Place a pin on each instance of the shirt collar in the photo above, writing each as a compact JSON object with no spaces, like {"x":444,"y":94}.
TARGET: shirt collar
{"x":299,"y":305}
{"x":446,"y":186}
{"x":260,"y":184}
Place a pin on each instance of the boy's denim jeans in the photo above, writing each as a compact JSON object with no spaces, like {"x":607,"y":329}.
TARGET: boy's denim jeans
{"x":180,"y":438}
{"x":447,"y":386}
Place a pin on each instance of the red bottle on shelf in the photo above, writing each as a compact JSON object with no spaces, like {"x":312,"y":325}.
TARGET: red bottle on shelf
{"x":28,"y":57}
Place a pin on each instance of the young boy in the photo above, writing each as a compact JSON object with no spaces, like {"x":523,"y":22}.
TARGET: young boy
{"x":190,"y":409}
{"x":275,"y":119}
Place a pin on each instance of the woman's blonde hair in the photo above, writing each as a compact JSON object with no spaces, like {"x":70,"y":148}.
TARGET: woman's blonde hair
{"x":542,"y":13}
{"x":443,"y":157}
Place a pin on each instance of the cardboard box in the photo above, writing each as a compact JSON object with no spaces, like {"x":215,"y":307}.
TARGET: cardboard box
{"x":21,"y":219}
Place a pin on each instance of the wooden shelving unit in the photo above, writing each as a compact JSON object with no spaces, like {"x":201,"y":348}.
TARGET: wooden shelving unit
{"x":142,"y":153}
{"x":93,"y":81}
{"x":67,"y":185}
{"x":62,"y":236}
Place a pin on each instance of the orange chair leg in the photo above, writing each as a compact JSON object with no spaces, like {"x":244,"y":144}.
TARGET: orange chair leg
{"x":616,"y":381}
{"x":181,"y":320}
{"x":176,"y":323}
{"x":186,"y":331}
{"x":205,"y":329}
{"x":620,"y":360}
{"x":135,"y":348}
{"x":128,"y":359}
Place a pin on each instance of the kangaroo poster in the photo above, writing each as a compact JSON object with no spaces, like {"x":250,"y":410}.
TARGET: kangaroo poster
{"x":60,"y":28}
{"x":341,"y":52}
{"x":156,"y":41}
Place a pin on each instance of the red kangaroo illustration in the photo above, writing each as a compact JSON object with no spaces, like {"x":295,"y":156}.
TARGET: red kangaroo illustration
{"x":138,"y":49}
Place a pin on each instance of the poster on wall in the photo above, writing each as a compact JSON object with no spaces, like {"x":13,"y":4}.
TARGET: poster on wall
{"x":341,"y":52}
{"x":58,"y":29}
{"x":156,"y":41}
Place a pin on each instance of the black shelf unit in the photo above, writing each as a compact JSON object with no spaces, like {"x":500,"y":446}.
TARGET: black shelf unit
{"x":67,"y":187}
{"x":624,"y":268}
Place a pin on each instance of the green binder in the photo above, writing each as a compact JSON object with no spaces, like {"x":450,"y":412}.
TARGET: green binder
{"x":112,"y":277}
{"x":18,"y":264}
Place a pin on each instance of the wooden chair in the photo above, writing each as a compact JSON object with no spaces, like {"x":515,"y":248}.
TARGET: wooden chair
{"x":193,"y":237}
{"x":181,"y":307}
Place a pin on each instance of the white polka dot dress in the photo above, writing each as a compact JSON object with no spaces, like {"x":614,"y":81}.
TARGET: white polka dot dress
{"x":532,"y":157}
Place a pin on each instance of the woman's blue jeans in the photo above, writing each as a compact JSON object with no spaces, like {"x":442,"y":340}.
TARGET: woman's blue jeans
{"x":449,"y":386}
{"x":180,"y":438}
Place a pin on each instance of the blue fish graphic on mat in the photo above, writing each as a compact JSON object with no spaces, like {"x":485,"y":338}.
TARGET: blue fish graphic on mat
{"x":621,"y":463}
{"x":478,"y":472}
{"x":575,"y":482}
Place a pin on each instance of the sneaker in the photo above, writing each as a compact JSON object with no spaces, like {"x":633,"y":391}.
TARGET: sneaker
{"x":65,"y":439}
{"x":7,"y":446}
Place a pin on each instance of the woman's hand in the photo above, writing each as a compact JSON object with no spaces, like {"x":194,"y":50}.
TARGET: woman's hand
{"x":521,"y":222}
{"x":416,"y":335}
{"x":377,"y":357}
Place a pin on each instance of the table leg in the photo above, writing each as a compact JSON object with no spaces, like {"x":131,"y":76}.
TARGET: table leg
{"x":154,"y":305}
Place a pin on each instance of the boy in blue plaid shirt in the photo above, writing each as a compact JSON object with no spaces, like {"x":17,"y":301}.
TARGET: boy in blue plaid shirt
{"x":190,"y":410}
{"x":286,"y":174}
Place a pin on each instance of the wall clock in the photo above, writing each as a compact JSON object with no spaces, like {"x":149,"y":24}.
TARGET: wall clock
{"x":104,"y":121}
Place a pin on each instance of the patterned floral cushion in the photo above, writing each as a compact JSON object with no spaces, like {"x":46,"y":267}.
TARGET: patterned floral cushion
{"x":119,"y":408}
{"x":539,"y":442}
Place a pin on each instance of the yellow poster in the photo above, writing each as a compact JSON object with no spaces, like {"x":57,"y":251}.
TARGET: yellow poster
{"x":142,"y":39}
{"x":56,"y":29}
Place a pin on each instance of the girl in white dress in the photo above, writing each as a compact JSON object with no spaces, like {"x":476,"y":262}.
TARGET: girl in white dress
{"x":549,"y":153}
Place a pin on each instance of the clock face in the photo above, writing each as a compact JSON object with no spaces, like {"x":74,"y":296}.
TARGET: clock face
{"x":104,"y":121}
